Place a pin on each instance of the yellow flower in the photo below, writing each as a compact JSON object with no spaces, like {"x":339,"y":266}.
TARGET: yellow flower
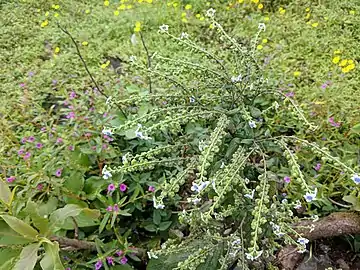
{"x":351,"y":67}
{"x":297,"y":73}
{"x":264,"y":40}
{"x":308,"y":16}
{"x":106,"y":3}
{"x":44,"y":23}
{"x":343,"y":63}
{"x":241,"y":1}
{"x":175,"y":5}
{"x":211,"y":26}
{"x":105,"y":65}
{"x":56,"y":14}
{"x":326,"y":18}
{"x":138,"y":24}
{"x":350,"y":62}
{"x":57,"y":50}
{"x":184,"y":20}
{"x":266,"y":19}
{"x":260,"y":6}
{"x":188,"y":6}
{"x":282,"y":11}
{"x":121,"y":7}
{"x":149,"y":1}
{"x":227,"y":8}
{"x":345,"y":69}
{"x":140,"y":1}
{"x":337,"y":52}
{"x":87,"y":11}
{"x":336,"y":59}
{"x":183,"y":14}
{"x":57,"y":7}
{"x":307,"y":9}
{"x":255,"y":1}
{"x":259,"y":47}
{"x":84,"y":43}
{"x":169,"y":4}
{"x":198,"y":15}
{"x":315,"y":24}
{"x":129,"y":6}
{"x":116,"y":12}
{"x":46,"y":13}
{"x":202,"y":18}
{"x":352,"y":12}
{"x":137,"y":29}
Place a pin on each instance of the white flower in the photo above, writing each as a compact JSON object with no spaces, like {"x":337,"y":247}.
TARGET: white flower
{"x":202,"y":145}
{"x":133,"y":39}
{"x":297,"y":205}
{"x":284,"y":201}
{"x":184,"y":35}
{"x":132,"y":58}
{"x":196,"y":201}
{"x":222,"y":165}
{"x":252,"y":124}
{"x":356,"y":178}
{"x":194,"y":187}
{"x":262,"y":27}
{"x":302,"y":241}
{"x":152,"y":255}
{"x":210,"y":13}
{"x":310,"y":196}
{"x":250,"y":196}
{"x":315,"y":218}
{"x":164,"y":28}
{"x":236,"y":242}
{"x":192,"y":99}
{"x":139,"y":133}
{"x":203,"y":185}
{"x":235,"y":79}
{"x":108,"y":100}
{"x":107,"y":132}
{"x":158,"y":205}
{"x":105,"y":173}
{"x":252,"y":257}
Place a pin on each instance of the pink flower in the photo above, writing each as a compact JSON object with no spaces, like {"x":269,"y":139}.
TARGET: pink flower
{"x":22,"y":84}
{"x":59,"y":140}
{"x":333,"y":123}
{"x":290,"y":94}
{"x":151,"y":189}
{"x":72,"y":95}
{"x":27,"y":155}
{"x":287,"y":179}
{"x":11,"y":179}
{"x":119,"y":253}
{"x":109,"y":208}
{"x":123,"y":260}
{"x":110,"y":260}
{"x":317,"y":167}
{"x":39,"y":145}
{"x":23,"y":140}
{"x":39,"y":186}
{"x":58,"y":172}
{"x":123,"y":187}
{"x":110,"y":189}
{"x":31,"y":139}
{"x":70,"y":115}
{"x":71,"y":148}
{"x":21,"y":152}
{"x":87,"y":135}
{"x":116,"y":208}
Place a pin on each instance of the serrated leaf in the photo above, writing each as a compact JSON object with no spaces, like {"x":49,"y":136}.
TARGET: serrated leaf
{"x":51,"y":260}
{"x":27,"y":258}
{"x":20,"y":227}
{"x":5,"y":193}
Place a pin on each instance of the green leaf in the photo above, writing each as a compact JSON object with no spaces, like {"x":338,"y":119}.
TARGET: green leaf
{"x":122,"y":267}
{"x":39,"y":222}
{"x":164,"y":225}
{"x":48,"y":207}
{"x":93,"y":186}
{"x":125,"y":213}
{"x":82,"y":221}
{"x":113,"y":219}
{"x":58,"y":218}
{"x":20,"y":227}
{"x":5,"y":193}
{"x":10,"y":237}
{"x":8,"y":257}
{"x":150,"y":228}
{"x":28,"y":257}
{"x":75,"y":182}
{"x":104,"y":222}
{"x":351,"y":199}
{"x":212,"y":262}
{"x":156,"y":217}
{"x":51,"y":260}
{"x":356,"y":129}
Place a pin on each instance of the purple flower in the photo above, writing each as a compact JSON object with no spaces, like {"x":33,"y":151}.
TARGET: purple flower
{"x":151,"y":189}
{"x":92,"y":109}
{"x":22,"y":84}
{"x":72,"y":95}
{"x":11,"y":179}
{"x":98,"y":265}
{"x":110,"y":189}
{"x":39,"y":145}
{"x":356,"y":178}
{"x":290,"y":94}
{"x":43,"y":129}
{"x":105,"y":114}
{"x":71,"y":148}
{"x":93,"y":147}
{"x":104,"y":146}
{"x":109,"y":139}
{"x":123,"y":260}
{"x":87,"y":135}
{"x":21,"y":152}
{"x":31,"y":139}
{"x":58,"y":172}
{"x":119,"y":253}
{"x":54,"y":82}
{"x":110,"y":260}
{"x":317,"y":167}
{"x":39,"y":186}
{"x":23,"y":140}
{"x":30,"y":74}
{"x":59,"y":140}
{"x":27,"y":155}
{"x":116,"y":208}
{"x":109,"y":208}
{"x":287,"y":179}
{"x":333,"y":123}
{"x":324,"y":85}
{"x":123,"y":187}
{"x":70,"y":115}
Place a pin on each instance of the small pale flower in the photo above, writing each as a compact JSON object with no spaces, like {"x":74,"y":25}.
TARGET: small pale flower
{"x":23,"y":140}
{"x":107,"y":132}
{"x":252,"y":124}
{"x":116,"y":208}
{"x":310,"y":196}
{"x":317,"y":167}
{"x":303,"y":241}
{"x":27,"y":156}
{"x":158,"y":205}
{"x":192,"y":100}
{"x":196,"y":201}
{"x":184,"y":35}
{"x":109,"y":208}
{"x":356,"y":179}
{"x":151,"y":189}
{"x":58,"y":172}
{"x":164,"y":28}
{"x":297,"y":205}
{"x":210,"y":13}
{"x":132,"y":58}
{"x":250,"y":196}
{"x":262,"y":27}
{"x":59,"y":140}
{"x":287,"y":179}
{"x":123,"y":187}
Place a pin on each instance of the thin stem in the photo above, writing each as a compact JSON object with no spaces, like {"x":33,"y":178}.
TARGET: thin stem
{"x":148,"y":60}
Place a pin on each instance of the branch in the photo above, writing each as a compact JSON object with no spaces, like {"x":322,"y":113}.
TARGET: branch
{"x":65,"y":242}
{"x":148,"y":60}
